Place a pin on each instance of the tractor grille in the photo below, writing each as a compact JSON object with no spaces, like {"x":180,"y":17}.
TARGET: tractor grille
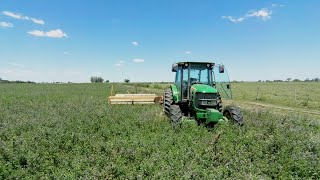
{"x":206,"y":96}
{"x":203,"y":100}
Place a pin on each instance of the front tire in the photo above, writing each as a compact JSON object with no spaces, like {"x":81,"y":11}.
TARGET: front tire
{"x":168,"y":100}
{"x":219,"y":103}
{"x":233,"y":114}
{"x":175,"y":114}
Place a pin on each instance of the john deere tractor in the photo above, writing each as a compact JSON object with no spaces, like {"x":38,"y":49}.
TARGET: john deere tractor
{"x":197,"y":93}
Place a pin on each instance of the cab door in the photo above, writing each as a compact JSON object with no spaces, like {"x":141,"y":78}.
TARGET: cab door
{"x":185,"y":84}
{"x":222,"y":81}
{"x":178,"y":80}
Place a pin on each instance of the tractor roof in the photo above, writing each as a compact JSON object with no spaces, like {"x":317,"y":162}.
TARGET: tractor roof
{"x":189,"y":62}
{"x":186,"y":63}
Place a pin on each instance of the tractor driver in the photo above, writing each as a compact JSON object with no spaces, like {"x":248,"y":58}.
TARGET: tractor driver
{"x":193,"y":80}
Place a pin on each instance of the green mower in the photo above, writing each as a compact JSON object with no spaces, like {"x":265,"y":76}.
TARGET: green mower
{"x":197,"y":93}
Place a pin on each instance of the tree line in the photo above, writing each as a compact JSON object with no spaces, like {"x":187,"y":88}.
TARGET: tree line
{"x":18,"y":81}
{"x":95,"y":79}
{"x":293,"y":80}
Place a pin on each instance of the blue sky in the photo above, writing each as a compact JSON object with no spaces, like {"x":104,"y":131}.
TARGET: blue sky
{"x":44,"y":41}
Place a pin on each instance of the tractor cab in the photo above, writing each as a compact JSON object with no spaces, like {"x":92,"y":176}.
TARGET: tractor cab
{"x":211,"y":78}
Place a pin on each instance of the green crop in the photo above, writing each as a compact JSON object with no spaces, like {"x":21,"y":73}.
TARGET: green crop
{"x":68,"y":131}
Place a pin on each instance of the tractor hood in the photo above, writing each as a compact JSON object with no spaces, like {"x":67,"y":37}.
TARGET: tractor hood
{"x":202,"y":88}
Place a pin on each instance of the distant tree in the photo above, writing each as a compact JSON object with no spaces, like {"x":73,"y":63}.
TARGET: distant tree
{"x":100,"y":80}
{"x":126,"y":80}
{"x":95,"y":79}
{"x":307,"y":80}
{"x":289,"y":79}
{"x":268,"y":81}
{"x":259,"y":81}
{"x":277,"y":81}
{"x":316,"y":79}
{"x":107,"y":81}
{"x":296,"y":80}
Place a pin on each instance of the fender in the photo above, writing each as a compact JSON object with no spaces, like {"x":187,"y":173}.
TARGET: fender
{"x":175,"y":93}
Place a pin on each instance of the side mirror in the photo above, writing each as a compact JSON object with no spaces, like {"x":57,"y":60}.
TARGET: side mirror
{"x":221,"y":69}
{"x":174,"y":68}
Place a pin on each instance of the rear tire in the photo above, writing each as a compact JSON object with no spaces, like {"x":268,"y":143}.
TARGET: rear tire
{"x":168,"y":100}
{"x":175,"y":114}
{"x":233,"y":114}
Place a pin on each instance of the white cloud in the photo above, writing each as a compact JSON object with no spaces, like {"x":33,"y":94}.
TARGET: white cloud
{"x":188,"y":52}
{"x":134,"y":43}
{"x":120,"y":64}
{"x":13,"y":15}
{"x":263,"y":14}
{"x":6,"y":24}
{"x":37,"y":21}
{"x":233,"y":19}
{"x":22,"y":17}
{"x":277,"y":5}
{"x":57,"y":33}
{"x":138,"y":60}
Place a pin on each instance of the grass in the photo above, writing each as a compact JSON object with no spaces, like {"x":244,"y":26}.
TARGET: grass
{"x":292,"y":94}
{"x":69,"y":131}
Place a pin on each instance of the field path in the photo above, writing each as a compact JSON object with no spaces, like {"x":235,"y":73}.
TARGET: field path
{"x":250,"y":105}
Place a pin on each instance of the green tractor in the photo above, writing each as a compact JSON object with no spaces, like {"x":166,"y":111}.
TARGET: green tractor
{"x":197,"y":93}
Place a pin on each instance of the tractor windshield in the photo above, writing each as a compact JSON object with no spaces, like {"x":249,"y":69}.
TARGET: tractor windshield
{"x":200,"y":73}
